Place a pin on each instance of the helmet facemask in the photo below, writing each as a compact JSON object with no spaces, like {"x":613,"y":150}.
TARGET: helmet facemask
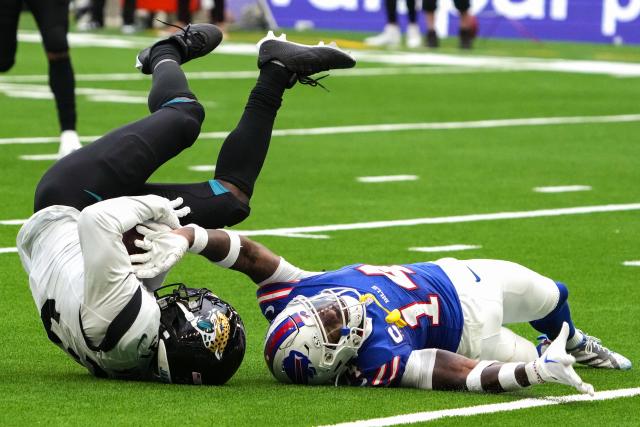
{"x":325,"y":331}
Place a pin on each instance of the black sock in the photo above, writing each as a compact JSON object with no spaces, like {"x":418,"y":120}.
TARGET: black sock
{"x":164,"y":50}
{"x":411,"y":8}
{"x":392,"y":11}
{"x":245,"y":149}
{"x":169,"y":82}
{"x":62,"y":85}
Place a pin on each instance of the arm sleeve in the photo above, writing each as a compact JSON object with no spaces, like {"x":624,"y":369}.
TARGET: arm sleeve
{"x":109,"y":284}
{"x":286,"y":272}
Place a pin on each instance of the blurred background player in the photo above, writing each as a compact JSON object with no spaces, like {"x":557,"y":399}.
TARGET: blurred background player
{"x":468,"y":23}
{"x":52,"y":18}
{"x":391,"y":35}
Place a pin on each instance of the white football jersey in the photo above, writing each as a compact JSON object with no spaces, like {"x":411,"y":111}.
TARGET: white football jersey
{"x":90,"y":303}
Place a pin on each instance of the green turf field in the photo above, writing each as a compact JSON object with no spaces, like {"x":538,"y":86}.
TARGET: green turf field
{"x":311,"y":180}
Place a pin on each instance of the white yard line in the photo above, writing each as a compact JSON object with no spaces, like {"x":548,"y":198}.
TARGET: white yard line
{"x":386,"y":178}
{"x":305,"y":232}
{"x":631,"y":263}
{"x":490,"y":408}
{"x":385,"y":57}
{"x":562,"y":189}
{"x":8,"y":250}
{"x":202,"y":168}
{"x":243,"y":74}
{"x":580,"y":210}
{"x":390,"y":127}
{"x":38,"y":157}
{"x":448,"y":248}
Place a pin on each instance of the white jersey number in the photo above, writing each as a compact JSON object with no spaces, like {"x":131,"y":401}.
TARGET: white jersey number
{"x":400,"y":276}
{"x":396,"y":273}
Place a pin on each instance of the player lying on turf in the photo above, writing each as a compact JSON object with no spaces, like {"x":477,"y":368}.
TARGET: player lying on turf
{"x":380,"y":325}
{"x":72,"y":247}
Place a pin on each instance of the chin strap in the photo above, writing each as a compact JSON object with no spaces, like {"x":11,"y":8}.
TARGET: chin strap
{"x":393,"y":316}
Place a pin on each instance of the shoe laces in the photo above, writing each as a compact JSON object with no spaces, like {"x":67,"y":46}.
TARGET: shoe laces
{"x":306,"y":80}
{"x":186,"y":32}
{"x":594,"y":345}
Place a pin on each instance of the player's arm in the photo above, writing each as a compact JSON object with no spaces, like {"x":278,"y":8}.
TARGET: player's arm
{"x":224,"y":248}
{"x":108,"y":283}
{"x":442,"y":370}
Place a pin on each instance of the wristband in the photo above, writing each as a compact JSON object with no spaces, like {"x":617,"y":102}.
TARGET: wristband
{"x":200,"y":239}
{"x":234,"y":250}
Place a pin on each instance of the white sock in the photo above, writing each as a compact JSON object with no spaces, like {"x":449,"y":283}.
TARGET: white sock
{"x":575,"y":340}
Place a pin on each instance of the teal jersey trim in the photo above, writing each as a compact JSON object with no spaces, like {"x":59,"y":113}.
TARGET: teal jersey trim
{"x":179,"y":100}
{"x":94,"y":195}
{"x":217,"y":188}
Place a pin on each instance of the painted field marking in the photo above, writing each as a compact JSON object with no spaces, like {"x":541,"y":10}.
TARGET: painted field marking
{"x":562,"y":189}
{"x":491,"y":408}
{"x":386,"y":178}
{"x":390,"y":127}
{"x":13,"y":221}
{"x":631,"y":263}
{"x":38,"y":157}
{"x":579,"y":210}
{"x":251,"y":75}
{"x":8,"y":250}
{"x":448,"y":248}
{"x":385,"y":57}
{"x":202,"y":168}
{"x":33,"y":91}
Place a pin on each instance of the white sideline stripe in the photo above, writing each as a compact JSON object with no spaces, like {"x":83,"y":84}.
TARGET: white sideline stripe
{"x":631,"y":263}
{"x":562,"y":189}
{"x":449,"y":248}
{"x":38,"y":157}
{"x":8,"y":250}
{"x":491,"y":408}
{"x":392,"y":127}
{"x":203,"y":168}
{"x":385,"y":57}
{"x":305,"y":236}
{"x":579,"y":210}
{"x":386,"y":178}
{"x":13,"y":221}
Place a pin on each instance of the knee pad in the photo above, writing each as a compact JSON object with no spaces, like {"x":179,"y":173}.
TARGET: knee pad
{"x":462,"y":5}
{"x":429,"y":5}
{"x":192,"y":118}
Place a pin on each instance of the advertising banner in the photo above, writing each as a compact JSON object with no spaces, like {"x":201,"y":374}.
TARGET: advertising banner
{"x":598,"y":21}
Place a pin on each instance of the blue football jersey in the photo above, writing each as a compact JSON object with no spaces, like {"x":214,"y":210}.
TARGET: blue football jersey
{"x":422,"y":292}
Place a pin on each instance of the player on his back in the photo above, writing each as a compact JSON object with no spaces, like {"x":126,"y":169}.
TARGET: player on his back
{"x":381,"y":325}
{"x":91,"y":304}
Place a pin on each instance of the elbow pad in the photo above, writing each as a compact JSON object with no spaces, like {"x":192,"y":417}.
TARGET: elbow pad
{"x":418,"y":372}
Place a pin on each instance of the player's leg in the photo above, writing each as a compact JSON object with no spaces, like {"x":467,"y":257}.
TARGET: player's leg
{"x":8,"y":32}
{"x":466,"y":32}
{"x":390,"y":36}
{"x":52,"y":18}
{"x":530,"y":297}
{"x":120,"y":162}
{"x":414,"y":37}
{"x":224,"y":200}
{"x":429,"y":8}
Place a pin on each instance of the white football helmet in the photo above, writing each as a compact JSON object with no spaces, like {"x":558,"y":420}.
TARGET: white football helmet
{"x":313,"y":338}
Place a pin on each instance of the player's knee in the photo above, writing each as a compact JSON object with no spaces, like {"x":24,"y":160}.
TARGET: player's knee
{"x":55,"y":40}
{"x":564,"y":293}
{"x":192,"y":118}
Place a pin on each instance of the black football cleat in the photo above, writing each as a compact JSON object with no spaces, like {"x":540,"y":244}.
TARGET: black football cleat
{"x":193,"y":41}
{"x":302,"y":60}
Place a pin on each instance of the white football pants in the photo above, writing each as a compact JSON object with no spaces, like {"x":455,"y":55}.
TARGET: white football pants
{"x":494,"y":293}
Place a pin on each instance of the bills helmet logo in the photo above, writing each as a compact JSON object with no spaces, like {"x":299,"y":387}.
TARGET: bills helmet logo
{"x":298,"y":367}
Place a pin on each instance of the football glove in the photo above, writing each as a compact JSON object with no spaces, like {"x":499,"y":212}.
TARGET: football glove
{"x":163,"y":250}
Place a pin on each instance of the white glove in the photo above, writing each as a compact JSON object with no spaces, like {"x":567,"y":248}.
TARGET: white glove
{"x":169,"y":214}
{"x":556,"y":366}
{"x":163,"y":250}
